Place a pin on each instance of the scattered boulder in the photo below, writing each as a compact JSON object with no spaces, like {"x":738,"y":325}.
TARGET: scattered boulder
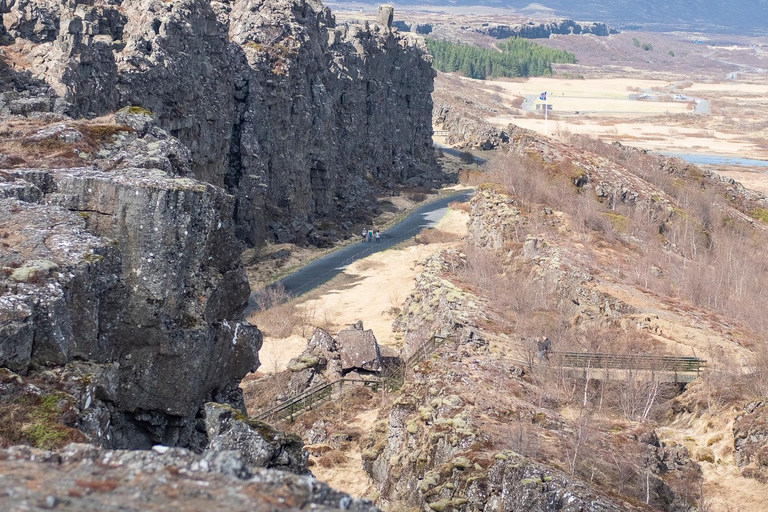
{"x":259,"y":444}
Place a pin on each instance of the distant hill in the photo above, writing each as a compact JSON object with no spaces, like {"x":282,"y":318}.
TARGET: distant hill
{"x":721,"y":16}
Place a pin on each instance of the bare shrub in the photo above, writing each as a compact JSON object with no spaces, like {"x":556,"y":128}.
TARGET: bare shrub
{"x":275,"y":316}
{"x":434,"y":236}
{"x":332,"y":458}
{"x":466,"y":157}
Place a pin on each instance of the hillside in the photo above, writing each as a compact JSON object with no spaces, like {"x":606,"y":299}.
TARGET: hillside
{"x":603,"y":249}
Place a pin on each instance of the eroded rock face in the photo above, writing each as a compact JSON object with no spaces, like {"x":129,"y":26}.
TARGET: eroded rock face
{"x":135,"y":269}
{"x":293,"y":115}
{"x":82,"y":477}
{"x":750,"y":440}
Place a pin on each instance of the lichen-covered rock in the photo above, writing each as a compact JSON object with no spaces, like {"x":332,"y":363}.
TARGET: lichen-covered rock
{"x":83,"y":477}
{"x":750,"y":440}
{"x":259,"y":444}
{"x":437,"y":305}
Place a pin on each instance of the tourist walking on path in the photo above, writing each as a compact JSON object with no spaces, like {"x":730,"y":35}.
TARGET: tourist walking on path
{"x":543,"y":346}
{"x":365,"y":232}
{"x":370,"y":235}
{"x":378,"y":236}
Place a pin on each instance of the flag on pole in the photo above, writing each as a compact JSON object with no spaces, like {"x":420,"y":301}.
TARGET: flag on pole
{"x":543,"y":96}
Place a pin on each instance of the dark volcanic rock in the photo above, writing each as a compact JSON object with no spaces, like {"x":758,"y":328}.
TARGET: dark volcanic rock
{"x":295,"y":116}
{"x":139,"y":270}
{"x":359,"y":350}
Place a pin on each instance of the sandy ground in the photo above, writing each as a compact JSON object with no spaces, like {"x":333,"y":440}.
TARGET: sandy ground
{"x":349,"y":475}
{"x":370,"y":290}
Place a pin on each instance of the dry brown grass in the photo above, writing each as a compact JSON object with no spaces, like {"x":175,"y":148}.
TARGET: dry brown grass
{"x":434,"y":236}
{"x":276,"y":317}
{"x":332,"y":458}
{"x":21,"y":149}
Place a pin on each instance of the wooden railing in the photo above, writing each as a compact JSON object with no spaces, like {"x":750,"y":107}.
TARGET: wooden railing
{"x":392,"y":378}
{"x":664,"y":368}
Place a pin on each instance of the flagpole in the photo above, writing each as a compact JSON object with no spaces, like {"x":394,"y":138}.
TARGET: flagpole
{"x":546,"y":112}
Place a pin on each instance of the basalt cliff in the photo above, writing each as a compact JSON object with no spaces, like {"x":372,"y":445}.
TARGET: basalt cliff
{"x":143,"y":145}
{"x":294,"y":116}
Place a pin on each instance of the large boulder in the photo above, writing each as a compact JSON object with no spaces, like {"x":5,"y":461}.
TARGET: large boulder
{"x":359,"y":350}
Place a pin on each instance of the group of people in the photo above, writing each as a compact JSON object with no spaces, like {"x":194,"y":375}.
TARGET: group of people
{"x":368,"y":233}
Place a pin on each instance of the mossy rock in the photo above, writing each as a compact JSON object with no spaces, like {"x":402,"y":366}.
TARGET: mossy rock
{"x":458,"y":422}
{"x":461,"y":463}
{"x":370,"y":453}
{"x":411,"y":427}
{"x":442,"y":505}
{"x":529,"y":482}
{"x":428,"y":482}
{"x":136,"y":111}
{"x":33,"y":270}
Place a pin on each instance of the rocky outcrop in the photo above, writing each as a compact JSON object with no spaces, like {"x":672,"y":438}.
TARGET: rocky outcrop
{"x":750,"y":441}
{"x":135,"y":270}
{"x":542,"y":30}
{"x":465,"y":129}
{"x":82,"y":477}
{"x":359,"y":350}
{"x":294,"y":116}
{"x":437,"y":306}
{"x":259,"y":444}
{"x":441,"y":446}
{"x":327,"y":359}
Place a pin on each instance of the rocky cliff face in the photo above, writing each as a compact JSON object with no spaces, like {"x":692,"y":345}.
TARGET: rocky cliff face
{"x":135,"y":270}
{"x":295,"y":116}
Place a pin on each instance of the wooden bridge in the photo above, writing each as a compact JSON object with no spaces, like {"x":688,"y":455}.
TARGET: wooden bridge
{"x":603,"y":366}
{"x":310,"y":398}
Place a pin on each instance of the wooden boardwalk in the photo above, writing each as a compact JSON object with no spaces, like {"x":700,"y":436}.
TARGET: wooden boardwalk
{"x":577,"y":365}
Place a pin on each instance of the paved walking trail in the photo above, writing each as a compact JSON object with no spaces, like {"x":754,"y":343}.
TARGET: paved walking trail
{"x":323,"y":269}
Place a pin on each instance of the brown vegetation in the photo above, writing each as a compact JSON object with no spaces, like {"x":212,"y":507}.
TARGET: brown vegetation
{"x":22,"y":145}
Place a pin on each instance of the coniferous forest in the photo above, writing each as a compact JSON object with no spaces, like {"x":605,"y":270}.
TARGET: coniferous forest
{"x":515,"y":57}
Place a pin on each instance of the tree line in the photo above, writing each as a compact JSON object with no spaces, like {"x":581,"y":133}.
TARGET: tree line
{"x":514,"y":57}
